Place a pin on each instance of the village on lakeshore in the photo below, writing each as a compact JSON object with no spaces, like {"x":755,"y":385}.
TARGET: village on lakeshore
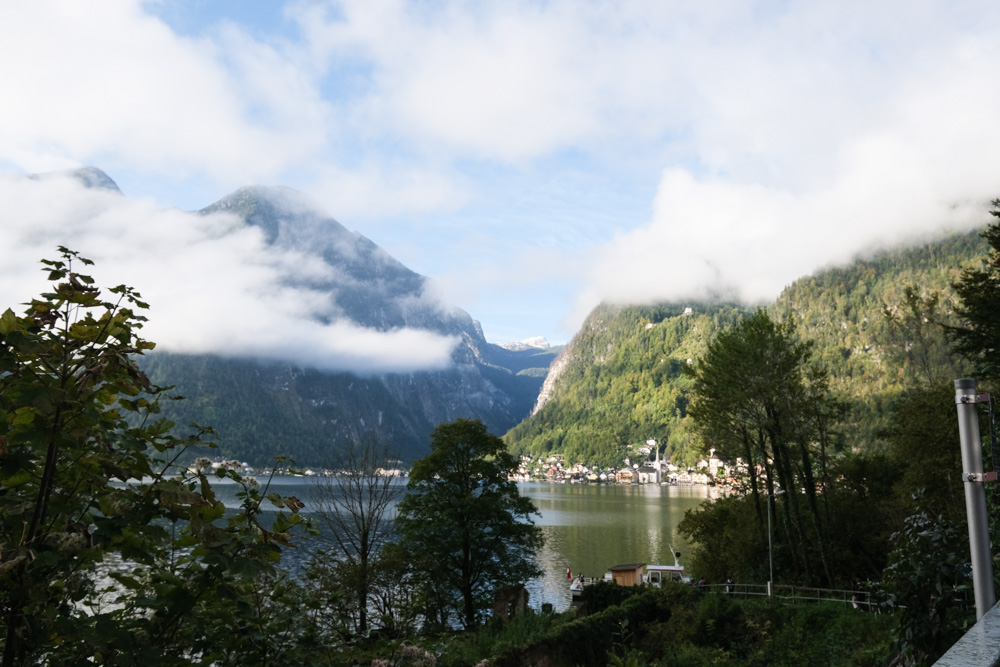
{"x":712,"y":470}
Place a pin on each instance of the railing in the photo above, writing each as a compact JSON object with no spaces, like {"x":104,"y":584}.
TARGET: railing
{"x":979,"y":647}
{"x":795,"y":594}
{"x":858,"y":599}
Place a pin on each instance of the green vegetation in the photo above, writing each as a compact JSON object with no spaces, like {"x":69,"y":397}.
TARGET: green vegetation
{"x":78,"y":426}
{"x":624,"y":384}
{"x":979,"y":290}
{"x":464,"y":525}
{"x":756,"y":396}
{"x":682,"y":626}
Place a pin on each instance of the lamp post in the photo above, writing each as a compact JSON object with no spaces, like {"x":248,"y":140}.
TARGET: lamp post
{"x":966,"y":398}
{"x":770,"y":551}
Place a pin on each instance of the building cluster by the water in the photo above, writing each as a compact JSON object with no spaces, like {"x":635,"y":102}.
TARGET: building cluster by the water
{"x":711,"y":470}
{"x":219,"y":466}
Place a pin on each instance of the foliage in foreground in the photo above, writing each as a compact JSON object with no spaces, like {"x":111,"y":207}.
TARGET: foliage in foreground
{"x":95,"y":567}
{"x":683,"y":626}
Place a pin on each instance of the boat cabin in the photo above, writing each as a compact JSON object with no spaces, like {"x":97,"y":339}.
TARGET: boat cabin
{"x":658,"y":574}
{"x":628,"y":574}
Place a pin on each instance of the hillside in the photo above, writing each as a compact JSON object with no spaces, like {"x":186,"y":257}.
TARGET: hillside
{"x":619,"y":382}
{"x":263,"y":409}
{"x":843,"y":311}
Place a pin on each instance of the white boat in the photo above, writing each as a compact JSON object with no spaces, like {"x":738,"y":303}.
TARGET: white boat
{"x":655,"y":575}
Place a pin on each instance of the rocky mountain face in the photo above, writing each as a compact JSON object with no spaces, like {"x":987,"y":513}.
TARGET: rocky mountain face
{"x":263,"y":409}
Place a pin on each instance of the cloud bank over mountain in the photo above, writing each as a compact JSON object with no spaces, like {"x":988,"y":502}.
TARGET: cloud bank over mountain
{"x":535,"y":157}
{"x":906,"y":156}
{"x":213,"y":283}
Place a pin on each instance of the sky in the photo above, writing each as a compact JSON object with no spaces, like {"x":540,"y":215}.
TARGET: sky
{"x":532,"y":158}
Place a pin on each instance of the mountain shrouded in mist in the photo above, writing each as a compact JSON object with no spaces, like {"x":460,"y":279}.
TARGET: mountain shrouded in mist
{"x":285,"y":331}
{"x":267,"y":408}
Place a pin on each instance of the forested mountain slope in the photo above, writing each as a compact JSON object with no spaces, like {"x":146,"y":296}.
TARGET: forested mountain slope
{"x":622,"y":384}
{"x":866,"y":335}
{"x":620,"y":380}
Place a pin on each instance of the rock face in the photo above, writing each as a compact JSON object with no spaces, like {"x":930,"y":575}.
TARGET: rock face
{"x":555,"y":371}
{"x":266,"y":409}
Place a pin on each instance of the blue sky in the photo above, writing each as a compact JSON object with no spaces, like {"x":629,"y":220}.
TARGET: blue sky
{"x":532,"y":158}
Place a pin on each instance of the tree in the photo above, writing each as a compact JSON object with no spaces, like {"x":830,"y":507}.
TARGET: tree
{"x":927,"y":580}
{"x":67,"y":383}
{"x":915,"y":338}
{"x":78,"y":427}
{"x":924,"y":445}
{"x":464,"y":524}
{"x":979,"y":290}
{"x":756,"y":395}
{"x":355,"y":507}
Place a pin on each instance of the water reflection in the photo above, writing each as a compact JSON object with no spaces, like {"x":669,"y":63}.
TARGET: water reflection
{"x":587,"y":528}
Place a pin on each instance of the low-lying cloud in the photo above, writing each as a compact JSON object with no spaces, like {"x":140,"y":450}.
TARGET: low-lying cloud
{"x":213,"y":284}
{"x":786,"y":187}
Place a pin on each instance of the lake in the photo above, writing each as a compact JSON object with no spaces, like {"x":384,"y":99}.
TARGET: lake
{"x":588,"y":527}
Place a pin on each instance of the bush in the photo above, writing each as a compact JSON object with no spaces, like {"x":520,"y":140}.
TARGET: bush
{"x":681,"y":626}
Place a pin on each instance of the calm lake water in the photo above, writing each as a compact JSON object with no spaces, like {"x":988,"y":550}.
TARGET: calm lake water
{"x":588,"y":528}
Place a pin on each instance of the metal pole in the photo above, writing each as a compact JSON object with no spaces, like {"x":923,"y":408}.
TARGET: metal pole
{"x":770,"y":551}
{"x":975,"y":495}
{"x":770,"y":554}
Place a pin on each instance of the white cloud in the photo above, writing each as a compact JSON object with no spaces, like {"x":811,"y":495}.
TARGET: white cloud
{"x":789,"y":135}
{"x":214,"y":286}
{"x":82,"y":84}
{"x":800,"y":174}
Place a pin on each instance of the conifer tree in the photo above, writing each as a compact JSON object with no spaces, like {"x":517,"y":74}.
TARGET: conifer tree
{"x":979,"y":291}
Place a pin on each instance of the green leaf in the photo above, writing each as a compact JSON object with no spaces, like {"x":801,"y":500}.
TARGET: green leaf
{"x":17,"y":479}
{"x":9,"y":322}
{"x":24,"y":415}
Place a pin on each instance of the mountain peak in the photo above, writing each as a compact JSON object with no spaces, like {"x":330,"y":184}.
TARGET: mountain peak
{"x":92,"y":177}
{"x":267,"y":207}
{"x":88,"y":177}
{"x":534,"y":343}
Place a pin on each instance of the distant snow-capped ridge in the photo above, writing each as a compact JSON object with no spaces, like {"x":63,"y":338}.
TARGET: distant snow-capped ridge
{"x":536,"y":343}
